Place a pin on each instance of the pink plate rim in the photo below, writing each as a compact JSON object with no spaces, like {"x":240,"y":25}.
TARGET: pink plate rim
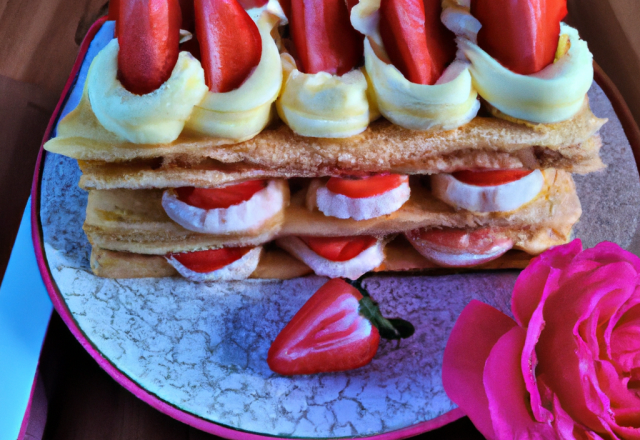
{"x":152,"y":399}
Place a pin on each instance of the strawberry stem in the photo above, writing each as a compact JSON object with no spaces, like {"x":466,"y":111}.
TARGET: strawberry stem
{"x":389,"y":328}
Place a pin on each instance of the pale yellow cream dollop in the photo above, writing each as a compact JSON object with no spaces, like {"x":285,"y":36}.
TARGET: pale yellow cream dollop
{"x":554,"y":94}
{"x":155,"y":118}
{"x":242,"y":113}
{"x":448,"y":104}
{"x":322,"y":104}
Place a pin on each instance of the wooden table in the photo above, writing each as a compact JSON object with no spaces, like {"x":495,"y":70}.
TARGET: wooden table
{"x":38,"y":44}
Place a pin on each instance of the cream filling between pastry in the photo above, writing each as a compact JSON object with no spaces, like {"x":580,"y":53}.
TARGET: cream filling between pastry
{"x":240,"y":269}
{"x":243,"y":217}
{"x":499,"y":198}
{"x":354,"y":268}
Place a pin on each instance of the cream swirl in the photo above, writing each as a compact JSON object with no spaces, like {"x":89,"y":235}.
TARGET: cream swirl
{"x":242,"y":113}
{"x":155,"y":118}
{"x":449,"y":103}
{"x":554,"y":94}
{"x":322,"y":104}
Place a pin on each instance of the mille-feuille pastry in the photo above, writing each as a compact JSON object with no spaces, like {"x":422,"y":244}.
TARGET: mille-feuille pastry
{"x":215,"y":209}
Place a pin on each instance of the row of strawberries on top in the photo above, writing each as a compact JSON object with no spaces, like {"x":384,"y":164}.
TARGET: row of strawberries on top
{"x":227,"y":41}
{"x":321,"y":39}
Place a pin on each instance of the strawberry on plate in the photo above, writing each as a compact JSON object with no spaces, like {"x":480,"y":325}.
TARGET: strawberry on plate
{"x":337,"y":329}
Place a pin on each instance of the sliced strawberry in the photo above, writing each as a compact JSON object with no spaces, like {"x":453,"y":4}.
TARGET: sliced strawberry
{"x":367,"y":186}
{"x":478,"y":241}
{"x":339,"y":248}
{"x":250,"y":4}
{"x":417,"y":42}
{"x":149,"y":36}
{"x":323,"y":37}
{"x":490,"y":177}
{"x":350,"y":4}
{"x":521,"y":34}
{"x":208,"y":261}
{"x":335,"y":330}
{"x":230,"y":43}
{"x":215,"y":198}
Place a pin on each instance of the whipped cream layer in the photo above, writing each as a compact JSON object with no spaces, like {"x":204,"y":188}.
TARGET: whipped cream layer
{"x":554,"y":94}
{"x":354,"y":268}
{"x":155,"y":118}
{"x":340,"y":206}
{"x":449,"y":103}
{"x":243,"y":217}
{"x":322,"y":104}
{"x":242,"y":113}
{"x":499,"y":198}
{"x":240,"y":269}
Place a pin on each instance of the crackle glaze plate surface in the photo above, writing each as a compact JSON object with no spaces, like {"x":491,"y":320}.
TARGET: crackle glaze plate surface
{"x":198,"y":351}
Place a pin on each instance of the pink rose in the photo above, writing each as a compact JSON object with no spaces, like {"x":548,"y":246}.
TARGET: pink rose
{"x":568,"y":367}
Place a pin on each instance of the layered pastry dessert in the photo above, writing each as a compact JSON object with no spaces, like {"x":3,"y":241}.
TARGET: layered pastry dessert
{"x":222,"y":141}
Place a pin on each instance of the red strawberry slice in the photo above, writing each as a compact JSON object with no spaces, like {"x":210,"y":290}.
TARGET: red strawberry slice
{"x":417,"y":42}
{"x":521,"y":34}
{"x":230,"y":43}
{"x":149,"y":36}
{"x":286,"y":8}
{"x":323,"y":37}
{"x":210,"y":260}
{"x":215,"y":198}
{"x":339,"y":248}
{"x":367,"y":186}
{"x":337,"y":329}
{"x":490,"y":177}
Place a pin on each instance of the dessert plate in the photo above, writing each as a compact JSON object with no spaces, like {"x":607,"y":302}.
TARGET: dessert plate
{"x":197,"y":352}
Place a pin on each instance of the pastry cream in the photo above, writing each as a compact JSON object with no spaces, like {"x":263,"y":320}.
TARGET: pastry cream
{"x":449,"y":103}
{"x":242,"y":113}
{"x":155,"y":118}
{"x":322,"y":104}
{"x":554,"y":94}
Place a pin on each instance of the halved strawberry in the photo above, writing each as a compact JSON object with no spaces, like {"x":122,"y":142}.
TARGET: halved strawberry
{"x":366,"y":186}
{"x":337,"y":329}
{"x":323,"y":37}
{"x":210,"y":260}
{"x":230,"y":43}
{"x":417,"y":42}
{"x":215,"y":198}
{"x":521,"y":34}
{"x":490,"y":177}
{"x":339,"y":248}
{"x":149,"y":36}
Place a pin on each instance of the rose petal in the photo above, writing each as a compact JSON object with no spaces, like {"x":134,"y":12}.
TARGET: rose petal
{"x":615,"y":388}
{"x":476,"y":331}
{"x":564,"y":357}
{"x":529,"y":359}
{"x":607,"y":253}
{"x":506,"y":391}
{"x":530,"y":284}
{"x":625,"y":346}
